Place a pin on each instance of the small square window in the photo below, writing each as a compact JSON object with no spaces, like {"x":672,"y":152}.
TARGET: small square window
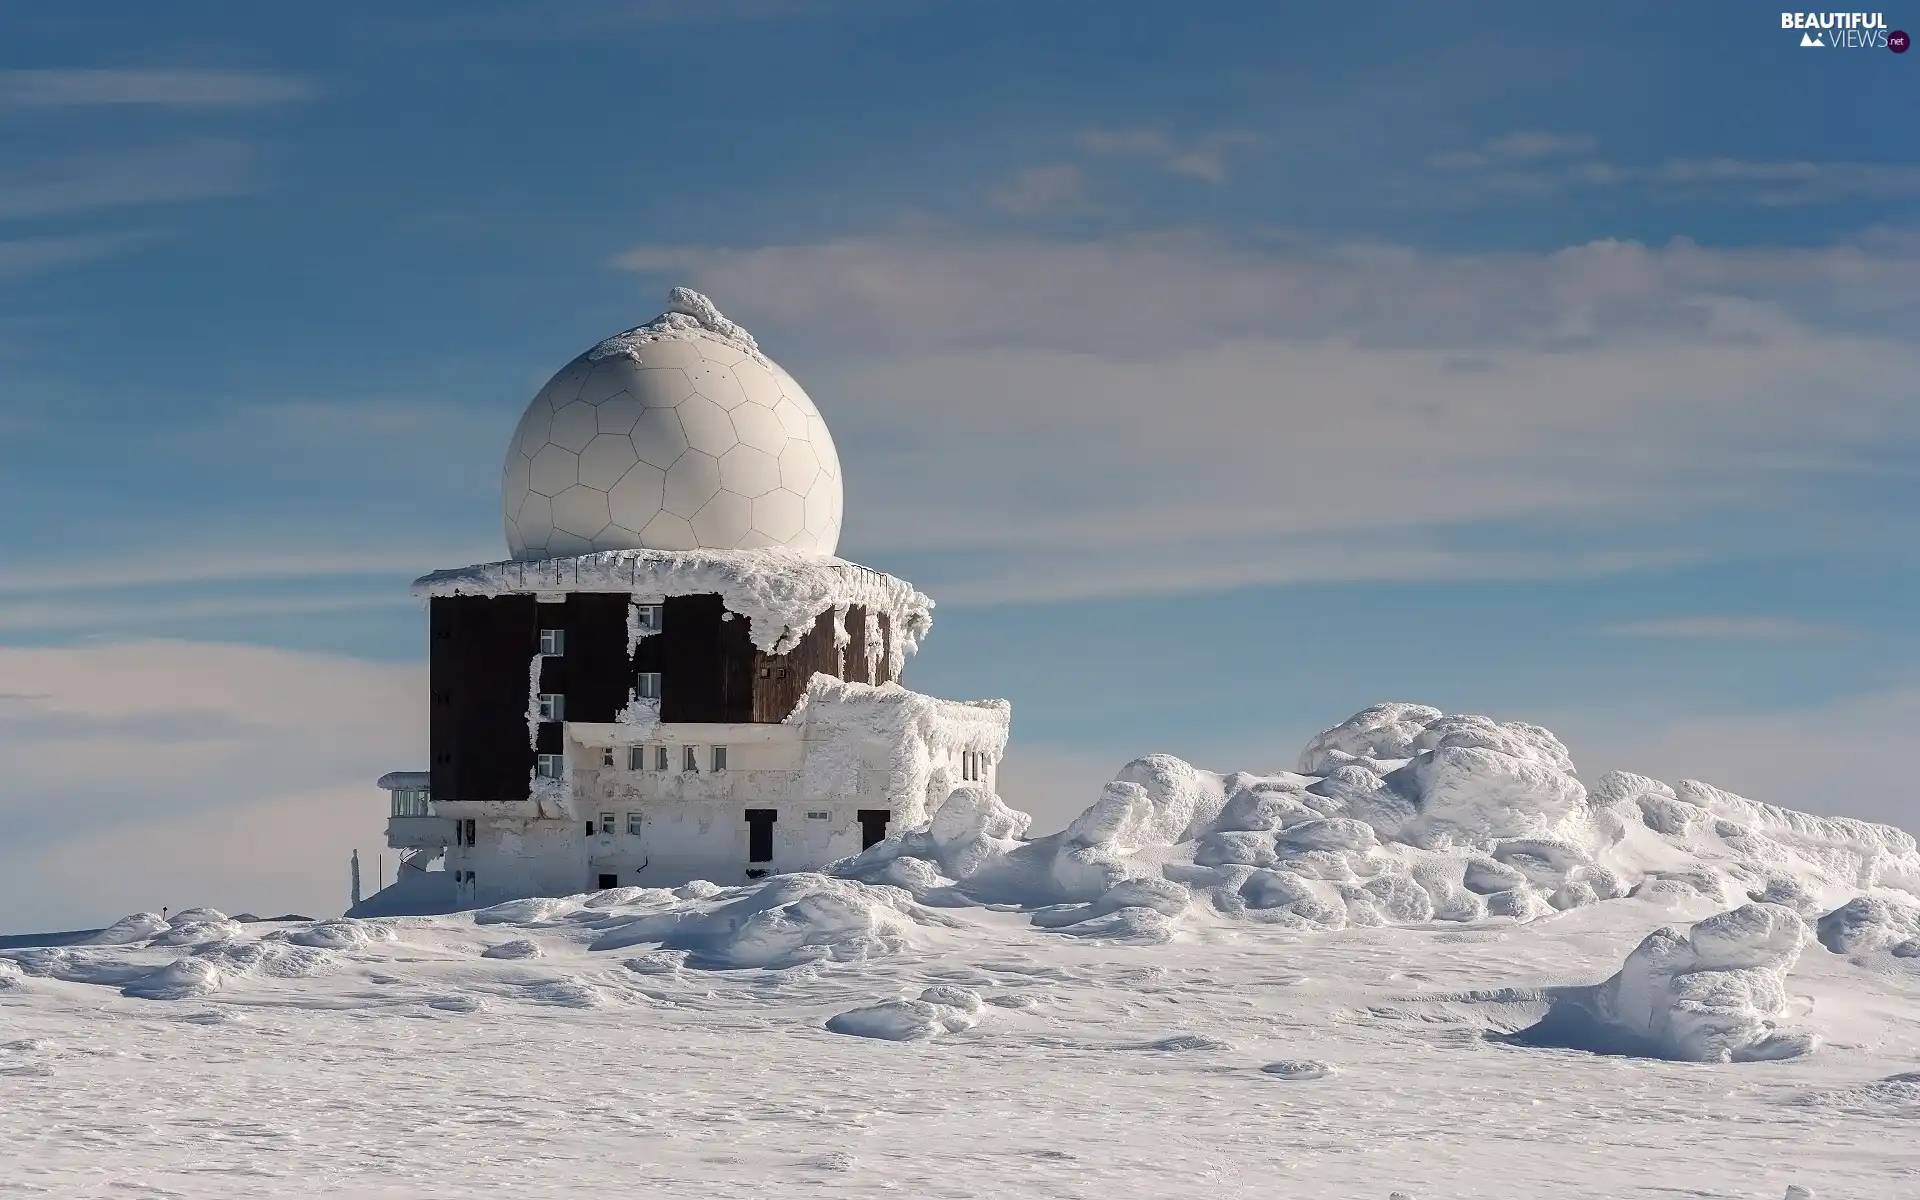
{"x":553,"y":642}
{"x":553,"y":706}
{"x":646,"y":685}
{"x":548,"y":766}
{"x":660,"y":758}
{"x":606,"y":823}
{"x":634,"y":822}
{"x":636,"y":758}
{"x":690,"y":759}
{"x":606,"y":756}
{"x":647,"y":617}
{"x":719,"y":758}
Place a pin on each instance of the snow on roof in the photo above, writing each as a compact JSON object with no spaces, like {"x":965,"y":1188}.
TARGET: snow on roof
{"x":689,"y":314}
{"x":404,"y":781}
{"x":780,"y":592}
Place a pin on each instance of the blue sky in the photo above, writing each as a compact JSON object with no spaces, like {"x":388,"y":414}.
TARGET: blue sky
{"x":1220,"y":371}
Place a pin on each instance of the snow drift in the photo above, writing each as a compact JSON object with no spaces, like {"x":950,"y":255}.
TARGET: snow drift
{"x":1713,"y":993}
{"x":1399,"y":815}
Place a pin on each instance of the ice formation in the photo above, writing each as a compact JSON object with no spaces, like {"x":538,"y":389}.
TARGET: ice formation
{"x":689,"y":314}
{"x":1399,"y":815}
{"x":780,"y":592}
{"x":923,"y":733}
{"x":1712,"y":993}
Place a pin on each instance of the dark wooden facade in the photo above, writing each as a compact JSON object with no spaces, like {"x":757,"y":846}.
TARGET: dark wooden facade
{"x":710,"y":671}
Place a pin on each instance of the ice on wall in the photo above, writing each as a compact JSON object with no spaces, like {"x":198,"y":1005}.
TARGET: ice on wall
{"x":920,"y":735}
{"x":780,"y":592}
{"x":1401,"y":814}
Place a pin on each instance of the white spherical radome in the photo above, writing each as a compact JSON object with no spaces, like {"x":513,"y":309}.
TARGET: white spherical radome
{"x":676,"y":435}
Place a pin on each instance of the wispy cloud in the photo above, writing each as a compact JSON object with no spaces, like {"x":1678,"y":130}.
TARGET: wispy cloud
{"x":1734,"y":628}
{"x":239,"y":564}
{"x":1037,"y":191}
{"x":182,"y":88}
{"x":186,"y":169}
{"x":28,"y":256}
{"x":1541,"y":164}
{"x":1204,"y":156}
{"x":207,"y":760}
{"x":1166,"y":414}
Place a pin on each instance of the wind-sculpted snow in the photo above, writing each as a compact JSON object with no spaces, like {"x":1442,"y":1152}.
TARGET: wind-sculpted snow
{"x":1713,"y":993}
{"x":1400,"y":815}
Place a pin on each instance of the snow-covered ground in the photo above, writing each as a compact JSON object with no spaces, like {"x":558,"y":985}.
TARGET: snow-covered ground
{"x":1356,"y":980}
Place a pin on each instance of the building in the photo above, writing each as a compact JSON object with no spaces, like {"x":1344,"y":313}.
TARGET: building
{"x":673,"y":678}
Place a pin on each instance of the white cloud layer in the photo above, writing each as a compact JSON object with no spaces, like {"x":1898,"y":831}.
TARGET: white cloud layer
{"x":1096,"y":417}
{"x":149,"y":773}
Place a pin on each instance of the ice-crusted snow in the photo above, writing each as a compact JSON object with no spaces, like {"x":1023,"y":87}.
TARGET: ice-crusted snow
{"x":1400,"y":815}
{"x":780,"y":592}
{"x":1089,"y":1014}
{"x":689,"y":314}
{"x":922,"y":735}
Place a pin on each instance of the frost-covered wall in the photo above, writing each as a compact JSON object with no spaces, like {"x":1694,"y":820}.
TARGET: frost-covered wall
{"x":780,"y":592}
{"x":848,"y":748}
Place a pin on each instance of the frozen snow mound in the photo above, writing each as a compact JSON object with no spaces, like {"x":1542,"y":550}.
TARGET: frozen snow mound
{"x":1402,"y":814}
{"x":1713,"y":993}
{"x":785,"y":922}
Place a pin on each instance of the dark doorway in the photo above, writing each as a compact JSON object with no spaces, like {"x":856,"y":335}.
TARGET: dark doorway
{"x":760,"y":834}
{"x":873,"y":826}
{"x":609,"y":881}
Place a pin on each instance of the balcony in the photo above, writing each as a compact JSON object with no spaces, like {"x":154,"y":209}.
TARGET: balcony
{"x":419,"y":833}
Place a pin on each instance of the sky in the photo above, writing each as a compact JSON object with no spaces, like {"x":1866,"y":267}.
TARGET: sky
{"x":1219,"y":371}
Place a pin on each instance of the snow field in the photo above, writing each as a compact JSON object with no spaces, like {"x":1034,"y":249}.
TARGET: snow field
{"x":1094,"y":1013}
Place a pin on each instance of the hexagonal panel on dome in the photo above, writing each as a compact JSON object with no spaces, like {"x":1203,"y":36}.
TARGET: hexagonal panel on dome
{"x":708,"y":426}
{"x":553,"y":470}
{"x":574,"y":426}
{"x":676,"y":435}
{"x":658,"y":437}
{"x":607,"y":457}
{"x":756,"y":426}
{"x":637,"y":498}
{"x":718,"y":384}
{"x":691,"y":482}
{"x":748,"y":471}
{"x":581,"y":511}
{"x":660,"y":387}
{"x":618,"y":413}
{"x":723,"y":521}
{"x":668,"y":532}
{"x":799,"y":467}
{"x":780,"y":515}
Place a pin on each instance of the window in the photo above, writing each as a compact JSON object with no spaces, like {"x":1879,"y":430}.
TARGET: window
{"x":412,"y":802}
{"x":760,"y":834}
{"x":606,"y":824}
{"x":634,"y":822}
{"x":548,"y":766}
{"x":646,"y":685}
{"x":606,"y":756}
{"x":690,"y":760}
{"x":719,"y":758}
{"x":647,"y":617}
{"x":553,"y":642}
{"x":636,"y":758}
{"x":873,"y":825}
{"x":553,"y":706}
{"x":608,"y":882}
{"x":660,"y":758}
{"x":819,"y":816}
{"x":463,"y":832}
